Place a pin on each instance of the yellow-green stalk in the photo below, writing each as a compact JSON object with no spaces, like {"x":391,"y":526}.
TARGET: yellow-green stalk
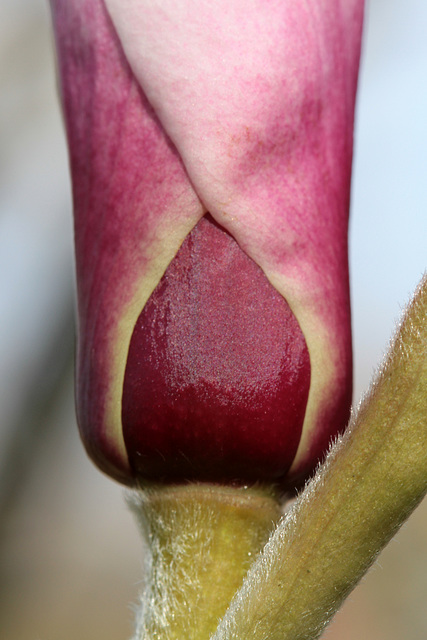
{"x":372,"y":480}
{"x":200,"y":542}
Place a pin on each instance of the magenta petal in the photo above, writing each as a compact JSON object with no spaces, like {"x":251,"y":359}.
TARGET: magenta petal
{"x":133,"y":206}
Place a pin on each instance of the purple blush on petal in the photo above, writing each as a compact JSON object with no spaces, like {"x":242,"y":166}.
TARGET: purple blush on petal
{"x":218,"y":371}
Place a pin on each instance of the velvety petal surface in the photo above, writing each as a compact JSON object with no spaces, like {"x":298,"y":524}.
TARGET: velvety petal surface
{"x":258,"y":99}
{"x":133,"y":206}
{"x":218,"y":371}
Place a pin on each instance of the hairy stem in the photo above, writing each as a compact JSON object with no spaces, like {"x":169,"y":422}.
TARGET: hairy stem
{"x":201,"y":540}
{"x":370,"y":483}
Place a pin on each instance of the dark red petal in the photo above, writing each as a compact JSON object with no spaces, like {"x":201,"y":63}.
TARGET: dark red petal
{"x":218,"y":370}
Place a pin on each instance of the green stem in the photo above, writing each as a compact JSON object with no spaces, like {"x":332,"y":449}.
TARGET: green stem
{"x":201,"y":540}
{"x":368,"y":486}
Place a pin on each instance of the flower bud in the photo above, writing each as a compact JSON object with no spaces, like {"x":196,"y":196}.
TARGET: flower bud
{"x":210,"y":148}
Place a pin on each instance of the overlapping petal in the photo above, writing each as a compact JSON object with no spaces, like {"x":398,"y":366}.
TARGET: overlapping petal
{"x":258,"y":98}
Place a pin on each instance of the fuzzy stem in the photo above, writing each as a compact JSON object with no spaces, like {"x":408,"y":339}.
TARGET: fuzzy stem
{"x":201,"y":540}
{"x":370,"y":483}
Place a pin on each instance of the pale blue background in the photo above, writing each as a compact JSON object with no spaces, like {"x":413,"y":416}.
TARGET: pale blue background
{"x":388,"y":236}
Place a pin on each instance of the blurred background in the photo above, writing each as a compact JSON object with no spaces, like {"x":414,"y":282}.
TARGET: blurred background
{"x":70,"y":556}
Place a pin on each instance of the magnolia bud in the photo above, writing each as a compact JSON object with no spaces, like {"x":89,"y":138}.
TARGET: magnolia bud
{"x":210,"y":148}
